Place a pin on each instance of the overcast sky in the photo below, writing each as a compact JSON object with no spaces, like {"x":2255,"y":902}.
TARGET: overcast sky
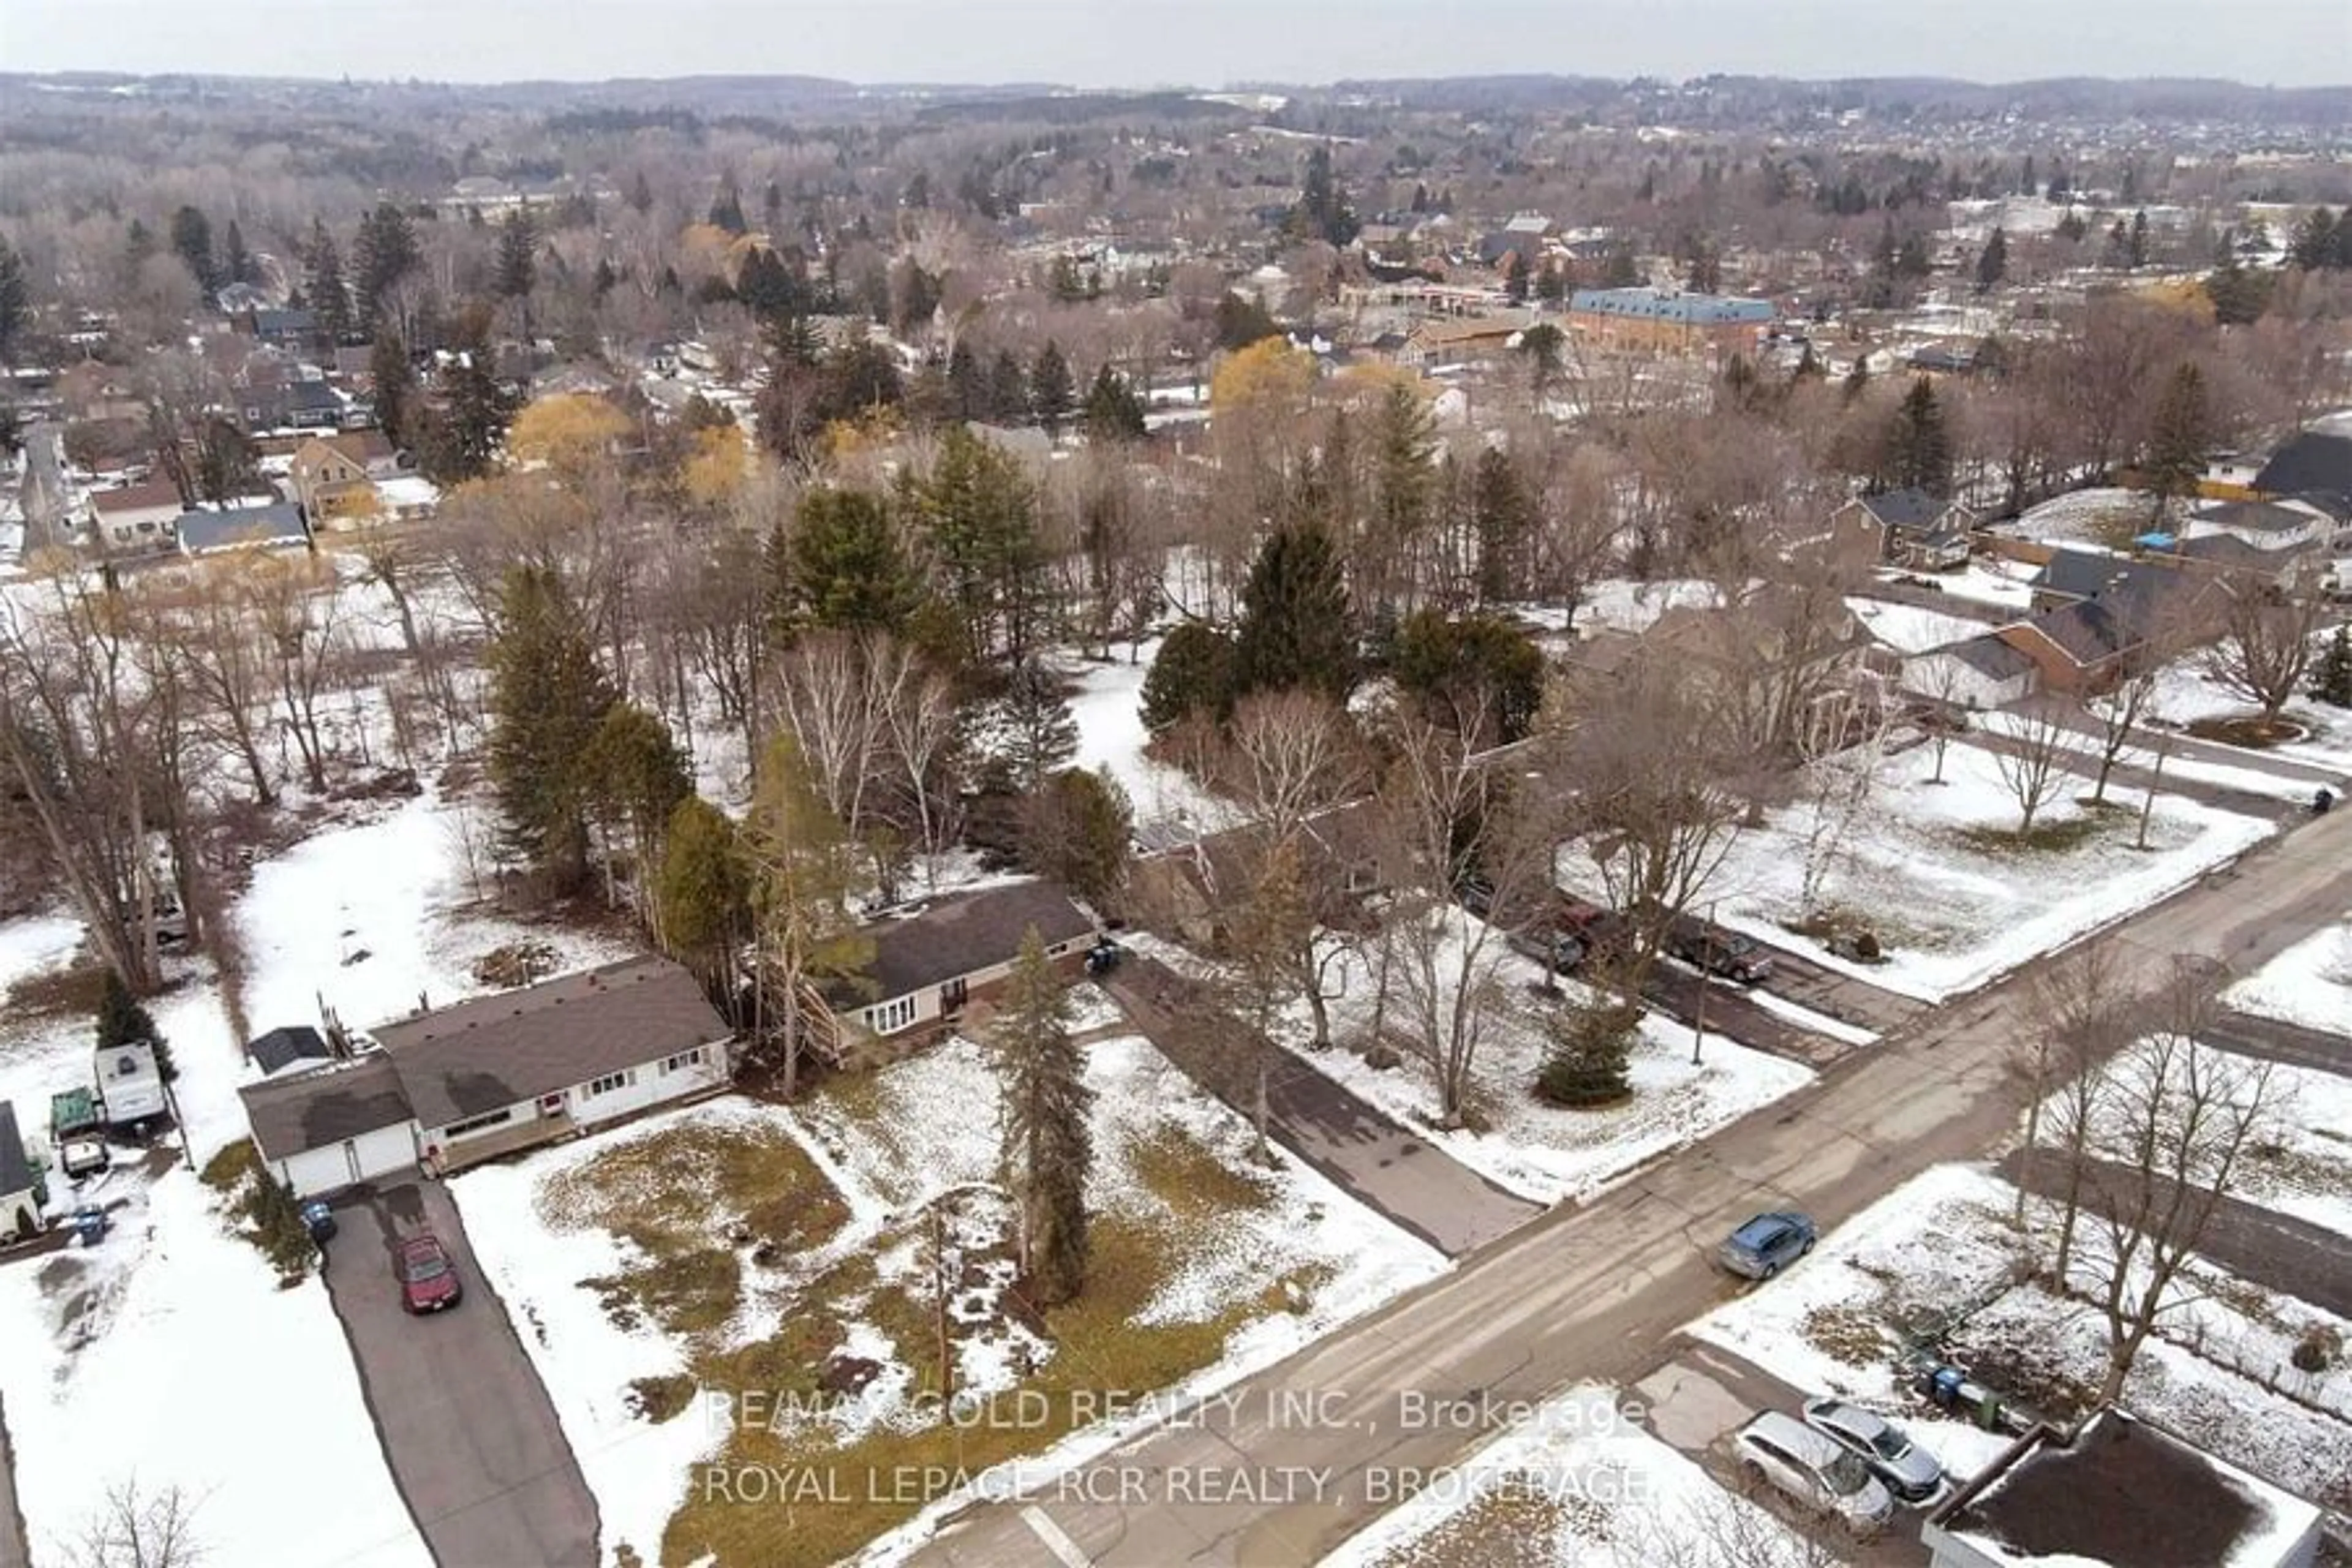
{"x":1130,"y":43}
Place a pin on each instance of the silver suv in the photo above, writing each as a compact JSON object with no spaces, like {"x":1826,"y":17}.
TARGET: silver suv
{"x":1805,"y":1465}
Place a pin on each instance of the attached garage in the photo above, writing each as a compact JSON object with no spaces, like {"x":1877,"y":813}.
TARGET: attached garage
{"x":326,"y":1131}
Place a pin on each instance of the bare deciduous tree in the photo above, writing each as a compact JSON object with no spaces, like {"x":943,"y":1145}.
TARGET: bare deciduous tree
{"x":2033,"y":764}
{"x":138,"y":1528}
{"x":2266,"y":644}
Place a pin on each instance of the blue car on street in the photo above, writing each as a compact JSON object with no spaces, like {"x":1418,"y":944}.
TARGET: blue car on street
{"x":1761,"y":1247}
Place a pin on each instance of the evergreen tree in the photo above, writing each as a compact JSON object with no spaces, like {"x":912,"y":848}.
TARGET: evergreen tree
{"x":2027,"y":182}
{"x":2180,"y":437}
{"x":1322,"y":211}
{"x":1048,"y":1145}
{"x":2136,"y":247}
{"x":1551,"y":283}
{"x":1114,"y":413}
{"x":395,"y":394}
{"x":636,"y":778}
{"x":1062,"y":281}
{"x":1192,"y":673}
{"x":771,"y":210}
{"x":2240,"y":296}
{"x":727,"y":211}
{"x":848,"y":571}
{"x":476,"y":409}
{"x":1589,"y":1061}
{"x":1242,"y":321}
{"x":1480,"y":674}
{"x":2315,"y":244}
{"x":192,"y":242}
{"x":1502,"y":520}
{"x":1295,"y":628}
{"x":1077,"y":830}
{"x":967,"y":389}
{"x":548,"y":698}
{"x":1030,"y":734}
{"x":517,"y":260}
{"x":1918,"y":447}
{"x":1619,"y":268}
{"x":1992,"y":261}
{"x":641,"y":193}
{"x":804,"y":868}
{"x":979,"y":517}
{"x":2331,"y":673}
{"x":1514,"y":277}
{"x":1052,"y":394}
{"x":1857,"y":379}
{"x":1008,"y":390}
{"x":702,"y":895}
{"x":15,"y":301}
{"x":322,"y":285}
{"x":123,"y":1020}
{"x":385,"y":253}
{"x":236,"y":262}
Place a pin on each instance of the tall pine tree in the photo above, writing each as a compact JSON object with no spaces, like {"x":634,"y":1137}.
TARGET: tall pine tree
{"x":123,"y":1020}
{"x":323,"y":287}
{"x":1295,"y":628}
{"x":2179,"y":438}
{"x":1048,"y":1143}
{"x":1918,"y":449}
{"x":548,"y":698}
{"x":1030,"y":733}
{"x":393,"y":382}
{"x":385,"y":253}
{"x":1051,"y":392}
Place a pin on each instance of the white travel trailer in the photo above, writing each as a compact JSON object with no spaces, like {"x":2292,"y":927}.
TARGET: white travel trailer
{"x":129,"y":1085}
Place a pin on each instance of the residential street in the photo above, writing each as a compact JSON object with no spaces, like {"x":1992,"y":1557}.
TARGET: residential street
{"x":1597,"y":1292}
{"x":1382,"y":1165}
{"x":467,"y":1427}
{"x":2275,"y":1250}
{"x":2274,"y":1040}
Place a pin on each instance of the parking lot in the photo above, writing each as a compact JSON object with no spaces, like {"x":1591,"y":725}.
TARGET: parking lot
{"x":466,"y":1426}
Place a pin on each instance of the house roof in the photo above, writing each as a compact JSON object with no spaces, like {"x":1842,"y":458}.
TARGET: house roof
{"x":1989,"y":657}
{"x":2313,"y":460}
{"x":1667,"y":305}
{"x":319,"y":1109}
{"x":152,"y":495}
{"x":281,"y":1048}
{"x":2261,"y":516}
{"x":961,"y":936}
{"x":277,"y":523}
{"x":1908,"y":508}
{"x":15,"y":1171}
{"x":2086,"y":632}
{"x":2087,"y":575}
{"x":294,"y":323}
{"x":496,"y":1051}
{"x":2123,"y":1491}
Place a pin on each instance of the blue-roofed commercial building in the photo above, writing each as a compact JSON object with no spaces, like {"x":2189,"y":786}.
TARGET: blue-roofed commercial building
{"x":1668,"y":321}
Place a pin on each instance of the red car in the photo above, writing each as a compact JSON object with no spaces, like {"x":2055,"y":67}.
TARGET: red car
{"x":428,"y":1281}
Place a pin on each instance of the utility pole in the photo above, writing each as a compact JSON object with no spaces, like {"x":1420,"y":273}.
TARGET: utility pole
{"x":1698,"y":1035}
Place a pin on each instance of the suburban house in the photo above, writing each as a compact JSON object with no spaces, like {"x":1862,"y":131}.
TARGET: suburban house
{"x":277,"y":525}
{"x":1978,"y":672}
{"x":2284,"y":525}
{"x":1912,"y":527}
{"x":1668,"y":321}
{"x":285,"y":329}
{"x":2118,"y":1491}
{"x":1453,"y":341}
{"x":526,"y":1067}
{"x":929,"y":960}
{"x":334,"y":477}
{"x":462,"y":1084}
{"x":22,"y":1193}
{"x":1194,"y":888}
{"x":2080,"y":649}
{"x":2316,"y":462}
{"x":298,"y":403}
{"x":137,"y":517}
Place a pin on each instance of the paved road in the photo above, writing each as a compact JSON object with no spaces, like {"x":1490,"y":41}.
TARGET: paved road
{"x":1594,"y":1293}
{"x":2191,"y":748}
{"x":1381,"y":1164}
{"x":2273,"y":1250}
{"x":2292,"y":1044}
{"x":2285,"y":806}
{"x":472,"y":1439}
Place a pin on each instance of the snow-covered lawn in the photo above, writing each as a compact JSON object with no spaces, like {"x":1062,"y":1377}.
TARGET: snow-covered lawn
{"x":2102,"y":517}
{"x":168,"y":1357}
{"x":1206,"y":1267}
{"x":1909,"y":629}
{"x":2180,"y":766}
{"x":1936,"y":1258}
{"x":1107,"y":704}
{"x":2187,"y":693}
{"x":1922,"y":865}
{"x":35,"y":946}
{"x":1622,"y":604}
{"x":1543,"y":1152}
{"x":1985,"y":580}
{"x":2310,"y":983}
{"x":1576,"y":1485}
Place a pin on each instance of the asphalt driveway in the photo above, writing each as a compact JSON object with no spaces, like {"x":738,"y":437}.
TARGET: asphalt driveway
{"x":471,"y":1434}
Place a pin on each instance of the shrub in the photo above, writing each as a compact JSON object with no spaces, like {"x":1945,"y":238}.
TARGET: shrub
{"x":2319,"y":1348}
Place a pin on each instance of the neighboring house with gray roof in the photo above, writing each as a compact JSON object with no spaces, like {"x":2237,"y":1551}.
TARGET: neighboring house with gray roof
{"x":1913,"y":527}
{"x":279,"y":525}
{"x":459,"y":1085}
{"x":929,"y":960}
{"x":1979,"y":672}
{"x":22,"y":1193}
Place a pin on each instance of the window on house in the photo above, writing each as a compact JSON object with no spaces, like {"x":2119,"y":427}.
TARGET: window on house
{"x":607,"y":1084}
{"x":683,"y":1060}
{"x":476,"y":1123}
{"x":891,"y":1017}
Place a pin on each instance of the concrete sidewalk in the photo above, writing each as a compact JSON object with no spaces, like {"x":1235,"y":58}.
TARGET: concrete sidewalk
{"x":1379,"y":1164}
{"x":2274,"y":1040}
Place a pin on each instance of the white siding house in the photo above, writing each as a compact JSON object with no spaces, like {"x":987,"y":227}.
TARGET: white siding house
{"x":1982,"y":672}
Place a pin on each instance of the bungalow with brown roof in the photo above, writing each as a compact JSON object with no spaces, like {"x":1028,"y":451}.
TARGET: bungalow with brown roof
{"x":334,"y":477}
{"x":929,"y":960}
{"x":137,"y":517}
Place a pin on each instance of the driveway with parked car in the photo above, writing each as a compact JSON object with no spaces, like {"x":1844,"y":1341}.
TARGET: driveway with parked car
{"x":471,"y":1434}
